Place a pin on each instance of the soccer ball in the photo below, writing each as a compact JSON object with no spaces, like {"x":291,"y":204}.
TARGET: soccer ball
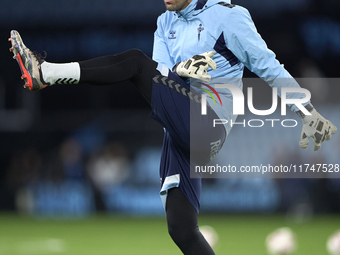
{"x":281,"y":241}
{"x":210,"y":235}
{"x":333,"y":244}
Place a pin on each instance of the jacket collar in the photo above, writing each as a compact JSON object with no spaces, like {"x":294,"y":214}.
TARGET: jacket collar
{"x":200,"y":4}
{"x":187,"y":12}
{"x":196,"y":6}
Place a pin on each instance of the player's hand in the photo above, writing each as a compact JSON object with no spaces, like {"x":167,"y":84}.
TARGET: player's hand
{"x":316,"y":127}
{"x":196,"y":66}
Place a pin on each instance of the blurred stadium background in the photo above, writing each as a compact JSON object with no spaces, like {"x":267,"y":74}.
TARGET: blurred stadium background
{"x":73,"y":153}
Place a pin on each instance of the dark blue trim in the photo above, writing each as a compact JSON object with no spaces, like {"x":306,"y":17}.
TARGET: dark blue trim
{"x":200,"y":4}
{"x":224,"y":51}
{"x":226,"y":4}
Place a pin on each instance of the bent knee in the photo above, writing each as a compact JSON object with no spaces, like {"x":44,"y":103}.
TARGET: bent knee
{"x":137,"y":54}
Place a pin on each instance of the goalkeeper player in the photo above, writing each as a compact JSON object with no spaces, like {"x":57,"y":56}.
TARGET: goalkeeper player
{"x":169,"y":96}
{"x":188,"y":28}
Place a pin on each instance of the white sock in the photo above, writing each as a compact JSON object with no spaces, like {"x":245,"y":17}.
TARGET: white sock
{"x":67,"y":73}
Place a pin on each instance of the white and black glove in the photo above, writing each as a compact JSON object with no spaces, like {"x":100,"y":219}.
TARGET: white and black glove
{"x":196,"y":66}
{"x":316,"y":127}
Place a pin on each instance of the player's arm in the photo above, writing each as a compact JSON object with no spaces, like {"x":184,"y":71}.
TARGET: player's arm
{"x":248,"y":46}
{"x":160,"y":52}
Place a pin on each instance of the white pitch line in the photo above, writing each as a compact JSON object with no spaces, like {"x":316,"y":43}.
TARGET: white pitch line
{"x":41,"y":246}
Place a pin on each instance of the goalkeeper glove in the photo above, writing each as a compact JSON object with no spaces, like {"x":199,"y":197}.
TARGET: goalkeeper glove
{"x":316,"y":127}
{"x":196,"y":66}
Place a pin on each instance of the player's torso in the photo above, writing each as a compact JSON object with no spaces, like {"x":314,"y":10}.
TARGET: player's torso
{"x":202,"y":32}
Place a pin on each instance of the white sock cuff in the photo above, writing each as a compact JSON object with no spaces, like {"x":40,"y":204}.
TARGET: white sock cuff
{"x":66,"y":73}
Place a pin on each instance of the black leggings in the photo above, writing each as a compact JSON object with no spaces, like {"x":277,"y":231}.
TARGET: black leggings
{"x":132,"y":65}
{"x":136,"y":67}
{"x":182,"y":225}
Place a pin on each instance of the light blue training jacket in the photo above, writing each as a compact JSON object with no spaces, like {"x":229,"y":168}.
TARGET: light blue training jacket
{"x":212,"y":25}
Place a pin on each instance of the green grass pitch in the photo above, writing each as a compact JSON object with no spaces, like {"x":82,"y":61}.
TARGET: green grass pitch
{"x":118,"y":235}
